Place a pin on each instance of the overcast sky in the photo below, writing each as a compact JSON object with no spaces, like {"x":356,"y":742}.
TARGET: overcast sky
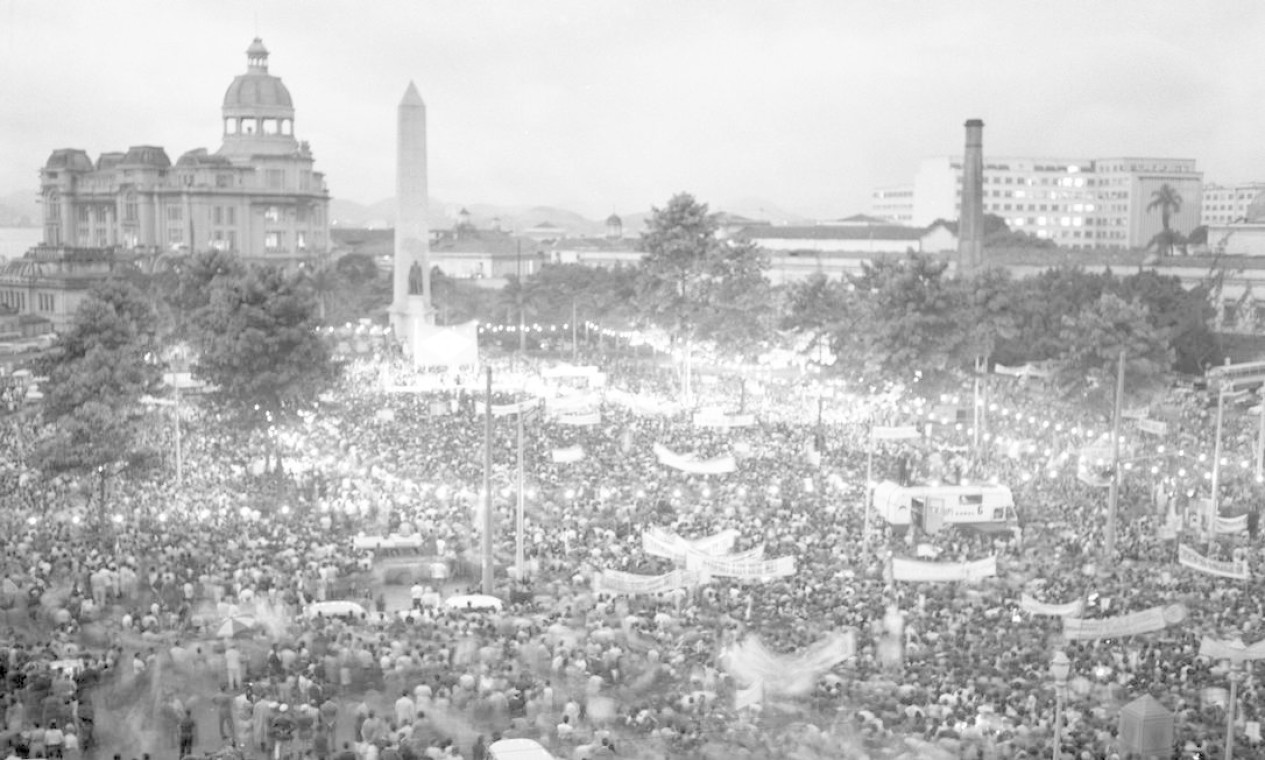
{"x":602,"y":105}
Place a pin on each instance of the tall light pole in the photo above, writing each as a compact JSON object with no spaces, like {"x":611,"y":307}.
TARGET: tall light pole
{"x":487,"y":489}
{"x":1114,"y":494}
{"x":1060,"y":668}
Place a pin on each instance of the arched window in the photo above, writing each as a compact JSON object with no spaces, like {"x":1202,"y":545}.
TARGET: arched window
{"x":248,"y":126}
{"x":269,"y":126}
{"x":285,"y":126}
{"x":230,"y":126}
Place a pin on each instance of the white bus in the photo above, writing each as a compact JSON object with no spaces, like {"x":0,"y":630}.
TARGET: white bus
{"x":517,"y":749}
{"x":934,"y":508}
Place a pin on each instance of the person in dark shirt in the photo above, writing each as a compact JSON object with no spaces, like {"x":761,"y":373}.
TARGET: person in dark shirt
{"x":345,"y":754}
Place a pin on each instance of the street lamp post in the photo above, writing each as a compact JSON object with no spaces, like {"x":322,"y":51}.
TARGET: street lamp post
{"x":1060,"y":667}
{"x":1236,"y":669}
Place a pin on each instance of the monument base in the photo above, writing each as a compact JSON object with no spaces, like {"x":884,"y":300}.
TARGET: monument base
{"x":408,"y":318}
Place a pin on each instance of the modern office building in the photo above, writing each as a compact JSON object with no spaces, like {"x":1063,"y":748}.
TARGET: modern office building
{"x":1226,"y":204}
{"x":1079,"y":203}
{"x":258,"y":195}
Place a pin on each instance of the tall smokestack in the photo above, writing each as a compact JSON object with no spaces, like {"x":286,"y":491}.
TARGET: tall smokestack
{"x":971,"y":220}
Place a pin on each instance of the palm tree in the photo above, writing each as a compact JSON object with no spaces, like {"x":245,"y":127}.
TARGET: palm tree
{"x":1169,"y":202}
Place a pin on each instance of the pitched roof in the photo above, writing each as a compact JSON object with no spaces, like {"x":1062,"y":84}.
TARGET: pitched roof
{"x":835,"y":232}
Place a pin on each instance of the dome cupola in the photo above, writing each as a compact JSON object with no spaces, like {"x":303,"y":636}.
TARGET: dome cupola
{"x":258,"y":112}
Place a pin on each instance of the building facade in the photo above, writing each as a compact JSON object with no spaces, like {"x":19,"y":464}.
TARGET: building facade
{"x":258,"y":195}
{"x":1078,"y":203}
{"x":1226,"y":204}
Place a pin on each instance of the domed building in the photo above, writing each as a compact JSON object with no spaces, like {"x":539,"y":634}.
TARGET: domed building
{"x":258,"y":195}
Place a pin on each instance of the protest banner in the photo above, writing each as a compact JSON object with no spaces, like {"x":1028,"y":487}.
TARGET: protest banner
{"x":916,"y":571}
{"x":1233,"y":650}
{"x":1031,"y":606}
{"x":1026,"y":370}
{"x":743,"y":568}
{"x":575,"y":404}
{"x":580,"y":420}
{"x":661,"y":543}
{"x":617,"y":582}
{"x":750,"y":662}
{"x":559,"y":371}
{"x":1232,"y":524}
{"x":1146,"y":621}
{"x":504,"y":410}
{"x":1135,"y":413}
{"x":903,"y":433}
{"x":1154,"y":427}
{"x":712,"y":419}
{"x":568,"y":455}
{"x":691,"y":464}
{"x":1235,"y":569}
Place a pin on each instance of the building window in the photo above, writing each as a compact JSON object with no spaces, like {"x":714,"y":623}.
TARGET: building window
{"x":130,"y":209}
{"x":46,"y":301}
{"x":272,"y":214}
{"x":300,"y":214}
{"x":174,"y":213}
{"x":83,"y":213}
{"x":269,"y":126}
{"x":230,"y":126}
{"x":248,"y":126}
{"x":276,"y":179}
{"x":232,"y":240}
{"x":300,"y":241}
{"x":232,"y":215}
{"x":217,"y":214}
{"x":285,"y":126}
{"x":272,"y":241}
{"x":223,"y":180}
{"x":175,"y":236}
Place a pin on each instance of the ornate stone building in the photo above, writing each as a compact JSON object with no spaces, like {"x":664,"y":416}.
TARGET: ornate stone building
{"x":258,"y":195}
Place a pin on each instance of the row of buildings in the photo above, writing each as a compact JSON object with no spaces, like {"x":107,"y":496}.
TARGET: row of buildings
{"x":1077,"y":203}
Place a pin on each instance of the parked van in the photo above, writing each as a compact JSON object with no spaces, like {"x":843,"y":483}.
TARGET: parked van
{"x":934,"y":508}
{"x":518,"y":749}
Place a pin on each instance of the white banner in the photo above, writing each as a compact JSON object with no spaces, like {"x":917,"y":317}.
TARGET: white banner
{"x":1236,"y":569}
{"x":640,"y":404}
{"x":916,"y":571}
{"x":504,"y":410}
{"x":750,"y":662}
{"x":711,"y":419}
{"x":568,"y":370}
{"x":568,"y":455}
{"x":1027,"y":370}
{"x":736,"y":566}
{"x":1154,"y":427}
{"x":573,"y":404}
{"x":903,"y":433}
{"x":393,"y":541}
{"x":691,"y":464}
{"x":1135,"y":413}
{"x":616,"y":582}
{"x":592,"y":418}
{"x":1031,"y":606}
{"x":1146,"y":621}
{"x":1235,"y":651}
{"x":661,"y":543}
{"x":1232,"y":524}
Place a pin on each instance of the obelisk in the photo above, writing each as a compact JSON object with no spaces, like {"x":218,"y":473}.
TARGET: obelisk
{"x":411,"y":304}
{"x":971,"y":217}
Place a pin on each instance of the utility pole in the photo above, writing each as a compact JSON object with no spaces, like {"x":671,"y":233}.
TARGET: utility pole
{"x":519,"y":518}
{"x":487,"y":489}
{"x":575,"y":347}
{"x":522,"y":321}
{"x":1114,"y":494}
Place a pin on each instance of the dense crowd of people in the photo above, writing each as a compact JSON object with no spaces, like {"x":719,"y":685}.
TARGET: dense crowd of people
{"x":163,"y":619}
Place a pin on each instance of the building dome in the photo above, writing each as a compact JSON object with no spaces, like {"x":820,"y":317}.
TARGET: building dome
{"x":71,"y":159}
{"x":257,"y":89}
{"x":614,"y":221}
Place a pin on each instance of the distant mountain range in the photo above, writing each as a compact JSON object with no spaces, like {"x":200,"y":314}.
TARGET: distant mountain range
{"x":22,"y":209}
{"x":347,"y":213}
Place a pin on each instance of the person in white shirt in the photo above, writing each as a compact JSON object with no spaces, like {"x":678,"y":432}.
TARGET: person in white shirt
{"x":405,"y":710}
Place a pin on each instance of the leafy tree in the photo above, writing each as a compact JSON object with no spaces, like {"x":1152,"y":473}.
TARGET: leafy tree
{"x":323,"y":281}
{"x":357,"y":268}
{"x":825,"y":309}
{"x":698,"y":287}
{"x":1040,"y":305}
{"x":987,"y":312}
{"x":910,"y":320}
{"x":1168,"y":201}
{"x":259,"y":348}
{"x":97,"y":373}
{"x":1184,"y":315}
{"x":189,"y":281}
{"x":1095,"y":337}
